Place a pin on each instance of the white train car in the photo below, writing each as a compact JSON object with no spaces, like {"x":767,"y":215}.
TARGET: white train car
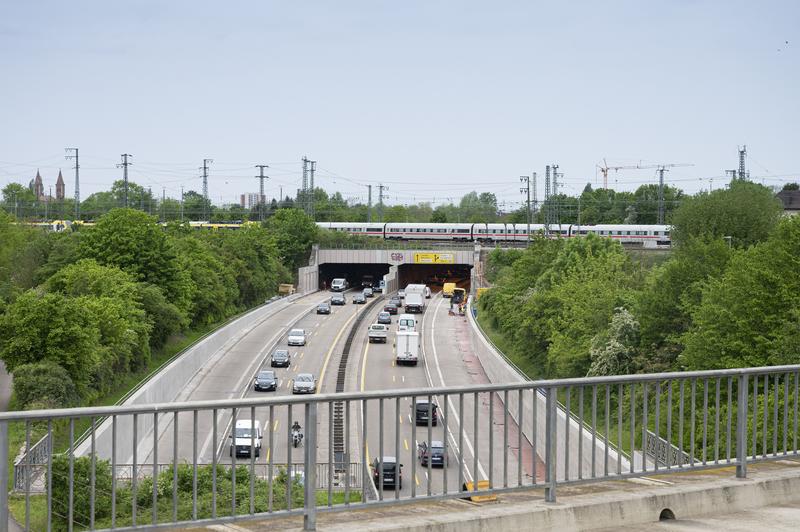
{"x":428,"y":231}
{"x":649,"y":236}
{"x":355,"y":228}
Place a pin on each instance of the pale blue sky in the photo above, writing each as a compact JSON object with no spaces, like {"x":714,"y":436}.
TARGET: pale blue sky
{"x":432,"y":98}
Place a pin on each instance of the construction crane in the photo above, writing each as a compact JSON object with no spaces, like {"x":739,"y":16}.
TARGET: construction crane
{"x":605,"y":168}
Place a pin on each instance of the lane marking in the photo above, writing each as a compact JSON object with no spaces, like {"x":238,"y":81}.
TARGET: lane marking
{"x":364,"y":365}
{"x":268,"y":450}
{"x":275,"y":426}
{"x":449,"y":398}
{"x":416,"y":478}
{"x":393,"y":380}
{"x":401,"y":418}
{"x":333,"y":346}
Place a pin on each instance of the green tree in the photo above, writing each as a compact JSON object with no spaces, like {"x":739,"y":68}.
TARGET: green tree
{"x":614,"y":350}
{"x":746,"y":212}
{"x":293,"y":232}
{"x":791,"y":186}
{"x":135,"y":243}
{"x":44,"y":385}
{"x":750,"y":316}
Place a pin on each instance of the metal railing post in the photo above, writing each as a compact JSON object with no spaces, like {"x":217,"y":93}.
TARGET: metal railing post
{"x":3,"y":476}
{"x":741,"y":428}
{"x":310,"y":466}
{"x":550,"y":447}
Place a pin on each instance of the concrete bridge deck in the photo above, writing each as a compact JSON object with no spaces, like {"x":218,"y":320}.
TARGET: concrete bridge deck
{"x":769,"y":499}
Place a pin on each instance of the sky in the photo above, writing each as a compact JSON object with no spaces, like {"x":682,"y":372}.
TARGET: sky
{"x":432,"y":99}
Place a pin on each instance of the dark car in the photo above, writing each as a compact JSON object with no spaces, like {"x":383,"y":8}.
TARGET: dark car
{"x":434,"y":452}
{"x":385,"y":318}
{"x":359,"y":299}
{"x":338,"y":299}
{"x":280,"y":358}
{"x":391,"y":308}
{"x":392,"y":472}
{"x":323,"y":308}
{"x":421,"y":413}
{"x":265,"y":381}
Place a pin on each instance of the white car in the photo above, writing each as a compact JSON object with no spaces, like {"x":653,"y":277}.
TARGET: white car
{"x":401,"y":294}
{"x":304,"y":383}
{"x":297,"y":337}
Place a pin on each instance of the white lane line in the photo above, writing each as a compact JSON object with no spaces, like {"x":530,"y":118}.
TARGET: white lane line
{"x":467,"y":440}
{"x":246,"y":375}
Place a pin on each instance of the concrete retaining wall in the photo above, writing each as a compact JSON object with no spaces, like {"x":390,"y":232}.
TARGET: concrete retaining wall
{"x":168,"y":383}
{"x":500,"y":371}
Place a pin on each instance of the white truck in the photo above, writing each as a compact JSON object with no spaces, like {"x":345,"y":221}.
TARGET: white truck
{"x":406,"y":348}
{"x":415,"y":298}
{"x":339,"y":285}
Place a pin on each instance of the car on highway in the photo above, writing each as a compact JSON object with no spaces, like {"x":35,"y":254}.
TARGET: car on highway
{"x":338,"y":299}
{"x":427,"y":293}
{"x":297,"y":337}
{"x":280,"y":358}
{"x":391,"y":308}
{"x":406,"y":322}
{"x":323,"y":308}
{"x":304,"y":383}
{"x":265,"y":381}
{"x":435,"y":453}
{"x":385,"y":318}
{"x":359,"y":299}
{"x":421,"y":413}
{"x":392,"y":472}
{"x":369,"y":292}
{"x":378,"y":332}
{"x":394,"y":300}
{"x":401,"y":294}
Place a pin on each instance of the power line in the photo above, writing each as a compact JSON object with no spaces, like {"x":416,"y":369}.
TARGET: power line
{"x":77,"y":181}
{"x":206,"y":162}
{"x":124,"y":165}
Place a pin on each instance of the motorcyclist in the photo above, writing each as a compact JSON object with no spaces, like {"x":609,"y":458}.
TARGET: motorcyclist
{"x":296,"y":428}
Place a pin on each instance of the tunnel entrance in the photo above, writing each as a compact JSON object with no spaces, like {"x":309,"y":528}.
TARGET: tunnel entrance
{"x":354,"y":273}
{"x":435,"y":275}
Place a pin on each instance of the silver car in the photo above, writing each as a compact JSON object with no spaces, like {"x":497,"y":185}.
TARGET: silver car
{"x":297,"y":337}
{"x":304,"y":383}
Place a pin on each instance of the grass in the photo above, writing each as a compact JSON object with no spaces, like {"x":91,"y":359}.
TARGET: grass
{"x":38,"y":504}
{"x":525,"y":364}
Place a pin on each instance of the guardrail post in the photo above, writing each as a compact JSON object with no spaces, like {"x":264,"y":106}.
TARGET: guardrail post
{"x":3,"y":476}
{"x":741,"y":428}
{"x":310,"y":466}
{"x":550,"y":447}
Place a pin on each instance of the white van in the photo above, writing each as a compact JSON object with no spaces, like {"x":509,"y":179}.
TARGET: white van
{"x":244,"y":435}
{"x":406,"y":322}
{"x":339,"y":285}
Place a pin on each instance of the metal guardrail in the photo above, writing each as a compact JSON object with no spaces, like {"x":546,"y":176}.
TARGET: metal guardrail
{"x":718,"y":418}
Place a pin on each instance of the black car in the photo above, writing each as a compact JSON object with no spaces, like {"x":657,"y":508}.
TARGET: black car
{"x":421,"y":413}
{"x":391,"y":472}
{"x":385,"y":318}
{"x":338,"y":299}
{"x":359,"y":299}
{"x":280,"y":358}
{"x":391,"y":308}
{"x":323,"y":308}
{"x":265,"y":381}
{"x":433,"y":452}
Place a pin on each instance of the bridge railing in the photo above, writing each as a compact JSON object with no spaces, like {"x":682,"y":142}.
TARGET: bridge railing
{"x":188,"y":473}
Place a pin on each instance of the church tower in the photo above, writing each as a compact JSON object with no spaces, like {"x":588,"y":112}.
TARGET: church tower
{"x":38,"y":187}
{"x":60,"y":187}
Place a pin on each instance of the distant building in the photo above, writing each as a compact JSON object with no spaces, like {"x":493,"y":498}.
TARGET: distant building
{"x":250,"y":200}
{"x":60,"y":187}
{"x":791,"y":201}
{"x":38,"y":187}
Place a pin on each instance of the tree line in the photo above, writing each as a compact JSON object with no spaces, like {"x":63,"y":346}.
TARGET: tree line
{"x":81,"y":309}
{"x":592,"y":206}
{"x":727,"y":296}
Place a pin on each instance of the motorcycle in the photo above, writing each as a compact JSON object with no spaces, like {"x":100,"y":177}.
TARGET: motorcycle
{"x":297,"y":438}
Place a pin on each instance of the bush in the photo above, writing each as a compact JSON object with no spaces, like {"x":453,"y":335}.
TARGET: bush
{"x":82,"y":488}
{"x":44,"y":383}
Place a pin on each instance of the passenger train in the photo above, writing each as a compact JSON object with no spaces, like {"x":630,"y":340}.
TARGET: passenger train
{"x":649,"y":236}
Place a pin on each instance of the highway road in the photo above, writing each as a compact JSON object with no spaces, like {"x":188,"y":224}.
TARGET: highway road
{"x":447,"y":360}
{"x":230,"y":374}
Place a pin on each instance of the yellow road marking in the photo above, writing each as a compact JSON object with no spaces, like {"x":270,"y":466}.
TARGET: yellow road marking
{"x":302,"y":353}
{"x":392,"y":363}
{"x":275,"y":426}
{"x":417,"y":479}
{"x":333,"y":345}
{"x":401,"y":418}
{"x":268,"y":450}
{"x":405,"y":443}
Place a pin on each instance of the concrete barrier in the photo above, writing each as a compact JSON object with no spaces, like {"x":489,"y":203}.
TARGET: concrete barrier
{"x":500,"y":371}
{"x":165,"y":386}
